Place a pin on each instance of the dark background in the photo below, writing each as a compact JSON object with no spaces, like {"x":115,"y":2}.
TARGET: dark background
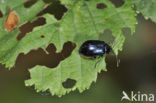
{"x":136,"y":72}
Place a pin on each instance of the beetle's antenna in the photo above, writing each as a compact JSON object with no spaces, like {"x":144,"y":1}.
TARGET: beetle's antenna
{"x":113,"y":45}
{"x":117,"y":59}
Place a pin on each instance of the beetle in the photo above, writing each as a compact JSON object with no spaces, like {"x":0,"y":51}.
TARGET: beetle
{"x":94,"y":49}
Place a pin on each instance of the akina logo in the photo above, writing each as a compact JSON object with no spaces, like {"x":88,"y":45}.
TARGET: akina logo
{"x":138,"y":97}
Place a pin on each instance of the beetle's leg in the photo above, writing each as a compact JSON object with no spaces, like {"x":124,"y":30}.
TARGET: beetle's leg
{"x":97,"y":62}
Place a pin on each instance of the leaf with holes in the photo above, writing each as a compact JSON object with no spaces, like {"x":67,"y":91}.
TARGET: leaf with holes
{"x":10,"y":46}
{"x":147,"y":8}
{"x":84,"y":20}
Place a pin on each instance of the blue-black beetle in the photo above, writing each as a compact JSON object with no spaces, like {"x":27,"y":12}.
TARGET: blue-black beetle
{"x":94,"y":48}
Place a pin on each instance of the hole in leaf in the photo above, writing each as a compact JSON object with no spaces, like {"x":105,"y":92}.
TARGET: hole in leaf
{"x":107,"y":36}
{"x":29,"y":3}
{"x":55,"y":8}
{"x":1,"y":15}
{"x":40,"y":57}
{"x":69,"y":83}
{"x":28,"y":27}
{"x":101,"y":6}
{"x":67,"y":49}
{"x":42,"y":36}
{"x":117,"y":3}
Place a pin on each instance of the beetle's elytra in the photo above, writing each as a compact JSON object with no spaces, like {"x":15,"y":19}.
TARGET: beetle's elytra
{"x":94,"y":48}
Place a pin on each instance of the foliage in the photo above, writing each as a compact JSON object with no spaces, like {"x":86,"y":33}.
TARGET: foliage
{"x":83,"y":21}
{"x":147,"y":8}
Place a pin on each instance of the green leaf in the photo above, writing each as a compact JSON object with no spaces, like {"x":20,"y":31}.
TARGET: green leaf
{"x":147,"y":8}
{"x":10,"y":46}
{"x":5,"y":4}
{"x":83,"y":21}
